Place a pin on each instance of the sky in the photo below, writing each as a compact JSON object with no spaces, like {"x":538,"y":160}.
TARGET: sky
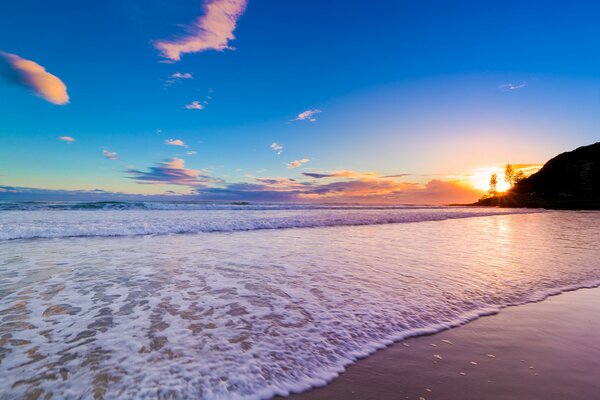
{"x":271,"y":100}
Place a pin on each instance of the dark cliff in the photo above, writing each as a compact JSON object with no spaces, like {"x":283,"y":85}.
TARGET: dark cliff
{"x":570,"y":180}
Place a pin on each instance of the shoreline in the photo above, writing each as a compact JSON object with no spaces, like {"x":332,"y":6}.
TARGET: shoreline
{"x":456,"y":363}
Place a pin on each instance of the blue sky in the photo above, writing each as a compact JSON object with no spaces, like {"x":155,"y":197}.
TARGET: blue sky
{"x":431,"y":89}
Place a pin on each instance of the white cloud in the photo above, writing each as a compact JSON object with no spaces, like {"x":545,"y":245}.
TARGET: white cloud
{"x":308,"y":115}
{"x":194,"y":105}
{"x":68,"y":139}
{"x":276,"y":147}
{"x":181,"y":75}
{"x":111,"y":155}
{"x":175,"y":142}
{"x":297,"y":163}
{"x":512,"y":86}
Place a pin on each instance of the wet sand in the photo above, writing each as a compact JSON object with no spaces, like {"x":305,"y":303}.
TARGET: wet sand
{"x":547,"y":350}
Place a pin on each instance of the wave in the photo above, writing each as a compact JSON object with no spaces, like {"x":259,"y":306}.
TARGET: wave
{"x":79,"y":223}
{"x":187,"y":205}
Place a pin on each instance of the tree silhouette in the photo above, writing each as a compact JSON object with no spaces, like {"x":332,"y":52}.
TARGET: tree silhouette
{"x":493,"y":184}
{"x":519,"y":176}
{"x":509,"y":175}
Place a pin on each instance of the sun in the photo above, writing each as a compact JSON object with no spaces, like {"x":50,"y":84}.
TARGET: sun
{"x":480,"y":179}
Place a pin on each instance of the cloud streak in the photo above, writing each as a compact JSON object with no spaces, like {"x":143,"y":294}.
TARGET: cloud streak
{"x":512,"y":86}
{"x":362,"y":190}
{"x":34,"y":76}
{"x":181,"y":75}
{"x":171,"y":172}
{"x":175,"y":142}
{"x":211,"y":31}
{"x":308,"y":115}
{"x":194,"y":105}
{"x":297,"y":163}
{"x":68,"y":139}
{"x":111,"y":155}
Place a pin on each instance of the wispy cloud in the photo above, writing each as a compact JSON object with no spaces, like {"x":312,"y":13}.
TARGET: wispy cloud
{"x":512,"y":86}
{"x":67,"y":139}
{"x":181,"y":75}
{"x":171,"y":172}
{"x":175,"y":142}
{"x":350,"y":174}
{"x":308,"y":115}
{"x":341,"y":174}
{"x":111,"y":155}
{"x":297,"y":163}
{"x":191,"y":153}
{"x":177,"y":76}
{"x":213,"y":30}
{"x":33,"y":75}
{"x":276,"y":147}
{"x":194,"y":105}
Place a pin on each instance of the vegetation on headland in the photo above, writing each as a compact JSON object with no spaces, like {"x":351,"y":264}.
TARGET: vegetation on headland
{"x":569,"y":181}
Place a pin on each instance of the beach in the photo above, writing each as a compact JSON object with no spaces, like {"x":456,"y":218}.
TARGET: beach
{"x":210,"y":302}
{"x":547,"y":350}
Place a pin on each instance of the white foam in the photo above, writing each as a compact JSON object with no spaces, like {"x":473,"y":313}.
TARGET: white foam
{"x":73,"y":223}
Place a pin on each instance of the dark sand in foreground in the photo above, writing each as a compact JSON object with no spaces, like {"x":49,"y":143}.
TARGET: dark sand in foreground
{"x":547,"y":350}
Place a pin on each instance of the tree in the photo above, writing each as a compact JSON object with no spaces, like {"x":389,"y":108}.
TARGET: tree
{"x":519,"y":176}
{"x":509,"y":175}
{"x":493,"y":184}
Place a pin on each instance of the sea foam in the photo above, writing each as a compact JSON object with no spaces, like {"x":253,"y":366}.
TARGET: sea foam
{"x":171,"y":218}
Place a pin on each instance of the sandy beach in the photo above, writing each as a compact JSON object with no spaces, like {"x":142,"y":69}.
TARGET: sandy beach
{"x":545,"y":350}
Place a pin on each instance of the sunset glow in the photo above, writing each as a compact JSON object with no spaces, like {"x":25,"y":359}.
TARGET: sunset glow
{"x":249,"y":115}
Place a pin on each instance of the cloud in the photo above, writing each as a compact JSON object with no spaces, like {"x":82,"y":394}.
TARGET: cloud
{"x":512,"y":86}
{"x":341,"y":174}
{"x":350,"y":174}
{"x":297,"y":163}
{"x":276,"y":147}
{"x":360,"y":190}
{"x":194,"y":105}
{"x":181,"y":75}
{"x":67,"y":139}
{"x":175,"y":142}
{"x":191,"y":152}
{"x":171,"y":172}
{"x":307,"y":115}
{"x":213,"y":30}
{"x":33,"y":75}
{"x":111,"y":155}
{"x":176,"y":77}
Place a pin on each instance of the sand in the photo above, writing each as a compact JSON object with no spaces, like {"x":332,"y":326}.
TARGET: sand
{"x":547,"y":350}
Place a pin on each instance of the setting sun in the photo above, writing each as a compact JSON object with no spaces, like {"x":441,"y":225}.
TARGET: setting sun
{"x":480,"y":179}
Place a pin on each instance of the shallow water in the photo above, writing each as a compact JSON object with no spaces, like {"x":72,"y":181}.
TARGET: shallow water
{"x":37,"y":220}
{"x":251,"y":314}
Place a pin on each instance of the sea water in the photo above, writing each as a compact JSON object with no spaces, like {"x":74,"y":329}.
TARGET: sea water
{"x":247,"y":301}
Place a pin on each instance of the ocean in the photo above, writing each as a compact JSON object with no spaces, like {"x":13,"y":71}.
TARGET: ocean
{"x":247,"y":301}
